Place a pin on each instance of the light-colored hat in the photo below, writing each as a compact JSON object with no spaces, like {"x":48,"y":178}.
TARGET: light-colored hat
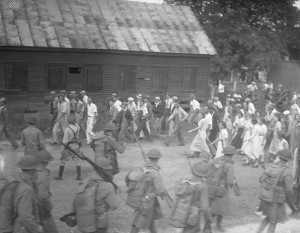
{"x":130,"y":99}
{"x":52,"y":92}
{"x":139,"y":96}
{"x":114,"y":95}
{"x":3,"y":99}
{"x":174,"y":97}
{"x":82,"y":92}
{"x":286,"y":112}
{"x":72,"y":92}
{"x":63,"y":91}
{"x":157,"y":98}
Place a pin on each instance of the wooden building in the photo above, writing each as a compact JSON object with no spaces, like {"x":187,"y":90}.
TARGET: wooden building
{"x":101,"y":46}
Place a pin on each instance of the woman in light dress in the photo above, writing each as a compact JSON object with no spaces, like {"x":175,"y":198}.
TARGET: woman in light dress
{"x":275,"y":141}
{"x":199,"y":143}
{"x":222,"y":139}
{"x":227,"y":116}
{"x":246,"y":135}
{"x":262,"y":138}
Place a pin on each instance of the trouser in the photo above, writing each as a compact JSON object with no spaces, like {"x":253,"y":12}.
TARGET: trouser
{"x":157,"y":126}
{"x":89,"y":127}
{"x":31,"y":150}
{"x":49,"y":225}
{"x":171,"y":127}
{"x":165,"y":122}
{"x":63,"y":124}
{"x":124,"y":132}
{"x":8,"y":135}
{"x":177,"y":131}
{"x":191,"y":118}
{"x":152,"y":228}
{"x":79,"y":121}
{"x":52,"y":120}
{"x":143,"y":127}
{"x":264,"y":223}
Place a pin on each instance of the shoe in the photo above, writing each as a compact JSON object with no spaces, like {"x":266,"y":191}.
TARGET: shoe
{"x":57,"y":178}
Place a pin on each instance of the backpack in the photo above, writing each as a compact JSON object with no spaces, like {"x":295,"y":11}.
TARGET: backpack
{"x":8,"y":188}
{"x":270,"y":183}
{"x":138,"y":182}
{"x":84,"y":203}
{"x":183,"y":211}
{"x":213,"y":180}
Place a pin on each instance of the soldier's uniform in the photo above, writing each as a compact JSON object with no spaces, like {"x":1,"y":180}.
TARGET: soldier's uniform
{"x":71,"y":138}
{"x":273,"y":206}
{"x":106,"y":146}
{"x":32,"y":138}
{"x":146,"y":220}
{"x":44,"y":194}
{"x":25,"y":200}
{"x":106,"y":199}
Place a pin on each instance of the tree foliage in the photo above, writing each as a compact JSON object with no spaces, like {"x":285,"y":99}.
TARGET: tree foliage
{"x":250,"y":34}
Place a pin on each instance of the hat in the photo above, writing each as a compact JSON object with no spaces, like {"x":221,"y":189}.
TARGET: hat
{"x":174,"y":97}
{"x":44,"y":156}
{"x":103,"y":163}
{"x":82,"y":92}
{"x":253,"y":82}
{"x":286,"y":112}
{"x":60,"y":95}
{"x":229,"y":150}
{"x":32,"y":120}
{"x":72,"y":92}
{"x":130,"y":99}
{"x":52,"y":92}
{"x":284,"y":154}
{"x":200,"y":169}
{"x":168,"y":93}
{"x":154,"y":153}
{"x":238,"y":106}
{"x":110,"y":127}
{"x":28,"y":162}
{"x":157,"y":98}
{"x":72,"y":119}
{"x":114,"y":95}
{"x":204,"y":154}
{"x":63,"y":91}
{"x":247,"y":99}
{"x":3,"y":99}
{"x":139,"y":96}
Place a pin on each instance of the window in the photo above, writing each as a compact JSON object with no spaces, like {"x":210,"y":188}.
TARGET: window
{"x":128,"y":77}
{"x":75,"y":70}
{"x":189,"y":78}
{"x":56,"y":76}
{"x":93,"y":80}
{"x":16,"y":76}
{"x":160,"y":76}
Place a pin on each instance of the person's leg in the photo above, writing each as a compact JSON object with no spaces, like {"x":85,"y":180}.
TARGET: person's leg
{"x":271,"y":228}
{"x":180,"y":136}
{"x":78,"y":167}
{"x":89,"y":128}
{"x":264,"y":223}
{"x":55,"y":132}
{"x":134,"y":229}
{"x":49,"y":225}
{"x":219,"y":223}
{"x":61,"y":170}
{"x":152,"y":228}
{"x":122,"y":132}
{"x":11,"y":139}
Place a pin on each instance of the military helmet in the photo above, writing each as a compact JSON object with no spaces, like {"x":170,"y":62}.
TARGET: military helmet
{"x":110,"y":127}
{"x":72,"y":119}
{"x":154,"y":153}
{"x":103,"y":163}
{"x":28,"y":162}
{"x":284,"y":154}
{"x":229,"y":150}
{"x":200,"y":169}
{"x":44,"y":156}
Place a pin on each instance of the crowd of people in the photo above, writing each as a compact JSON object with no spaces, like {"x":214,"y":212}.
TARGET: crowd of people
{"x":223,"y":130}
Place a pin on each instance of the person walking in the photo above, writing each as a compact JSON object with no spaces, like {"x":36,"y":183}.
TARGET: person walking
{"x":104,"y":201}
{"x":32,"y":138}
{"x":275,"y":140}
{"x":79,"y":113}
{"x":144,"y":220}
{"x":126,"y":123}
{"x":67,"y":101}
{"x":143,"y":119}
{"x":194,"y":110}
{"x":178,"y":116}
{"x":272,"y":200}
{"x":167,"y":104}
{"x":158,"y":112}
{"x":43,"y":192}
{"x":4,"y":124}
{"x":134,"y":112}
{"x":92,"y":114}
{"x":53,"y":110}
{"x":239,"y":125}
{"x":61,"y":121}
{"x":71,"y":139}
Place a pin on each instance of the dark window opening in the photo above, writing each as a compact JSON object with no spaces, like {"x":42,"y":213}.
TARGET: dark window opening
{"x":93,"y":80}
{"x":75,"y":70}
{"x":56,"y":76}
{"x":160,"y":76}
{"x":128,"y":77}
{"x":189,"y":78}
{"x":16,"y":76}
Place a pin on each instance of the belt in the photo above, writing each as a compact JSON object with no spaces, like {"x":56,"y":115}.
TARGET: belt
{"x":91,"y":116}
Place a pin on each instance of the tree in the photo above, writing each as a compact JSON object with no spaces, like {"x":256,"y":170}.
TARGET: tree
{"x":250,"y":34}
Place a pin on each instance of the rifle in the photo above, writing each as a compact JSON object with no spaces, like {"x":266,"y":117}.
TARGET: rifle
{"x":100,"y":171}
{"x":167,"y":196}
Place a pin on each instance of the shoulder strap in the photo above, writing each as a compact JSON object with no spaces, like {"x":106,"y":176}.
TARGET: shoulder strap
{"x":75,"y":138}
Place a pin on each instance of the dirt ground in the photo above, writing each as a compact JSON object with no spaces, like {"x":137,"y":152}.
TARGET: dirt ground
{"x":174,"y":166}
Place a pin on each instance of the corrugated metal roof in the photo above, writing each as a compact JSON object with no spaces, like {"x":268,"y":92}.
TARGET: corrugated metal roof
{"x":102,"y":24}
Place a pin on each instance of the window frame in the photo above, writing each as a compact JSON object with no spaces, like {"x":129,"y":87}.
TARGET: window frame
{"x":124,"y":81}
{"x":6,"y":74}
{"x":182,"y":78}
{"x":47,"y":65}
{"x":85,"y":77}
{"x":154,"y":82}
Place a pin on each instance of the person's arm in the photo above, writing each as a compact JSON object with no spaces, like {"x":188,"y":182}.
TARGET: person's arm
{"x":63,"y":112}
{"x":66,"y":136}
{"x":288,"y":186}
{"x":95,"y":110}
{"x":204,"y":206}
{"x":197,"y":128}
{"x":111,"y":198}
{"x":6,"y":117}
{"x":172,"y":115}
{"x":185,"y":115}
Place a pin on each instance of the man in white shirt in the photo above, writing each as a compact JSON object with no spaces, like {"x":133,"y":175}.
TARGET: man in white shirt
{"x":218,"y":103}
{"x":172,"y":109}
{"x":115,"y":100}
{"x":138,"y":101}
{"x":134,"y":112}
{"x":178,"y":116}
{"x":143,"y":119}
{"x":61,"y":120}
{"x":92,"y":114}
{"x":251,"y":107}
{"x":84,"y":97}
{"x":194,"y":110}
{"x":167,"y":103}
{"x":64,"y":92}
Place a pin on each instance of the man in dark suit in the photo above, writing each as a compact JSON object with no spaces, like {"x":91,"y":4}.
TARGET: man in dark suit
{"x":126,"y":123}
{"x":172,"y":122}
{"x":158,"y":113}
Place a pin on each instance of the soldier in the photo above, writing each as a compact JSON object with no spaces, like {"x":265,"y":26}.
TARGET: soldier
{"x":32,"y":138}
{"x":71,"y":138}
{"x":25,"y":200}
{"x":276,"y":189}
{"x":219,"y":181}
{"x":144,"y":219}
{"x":4,"y":118}
{"x":104,"y":145}
{"x":106,"y":199}
{"x":43,"y":192}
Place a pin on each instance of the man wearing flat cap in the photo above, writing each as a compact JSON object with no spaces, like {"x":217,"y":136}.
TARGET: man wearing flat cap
{"x":4,"y":121}
{"x":32,"y":138}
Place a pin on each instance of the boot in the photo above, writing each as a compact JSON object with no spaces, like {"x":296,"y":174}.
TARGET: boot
{"x":78,"y":169}
{"x":271,"y":228}
{"x":219,"y":221}
{"x":263,"y":225}
{"x":60,"y":173}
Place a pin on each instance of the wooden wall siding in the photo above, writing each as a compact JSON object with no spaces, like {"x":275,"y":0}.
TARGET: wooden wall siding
{"x":37,"y":61}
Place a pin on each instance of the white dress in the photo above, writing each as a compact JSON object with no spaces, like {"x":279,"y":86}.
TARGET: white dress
{"x":199,"y":143}
{"x":262,"y":134}
{"x":223,"y":135}
{"x":255,"y":148}
{"x":246,"y":147}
